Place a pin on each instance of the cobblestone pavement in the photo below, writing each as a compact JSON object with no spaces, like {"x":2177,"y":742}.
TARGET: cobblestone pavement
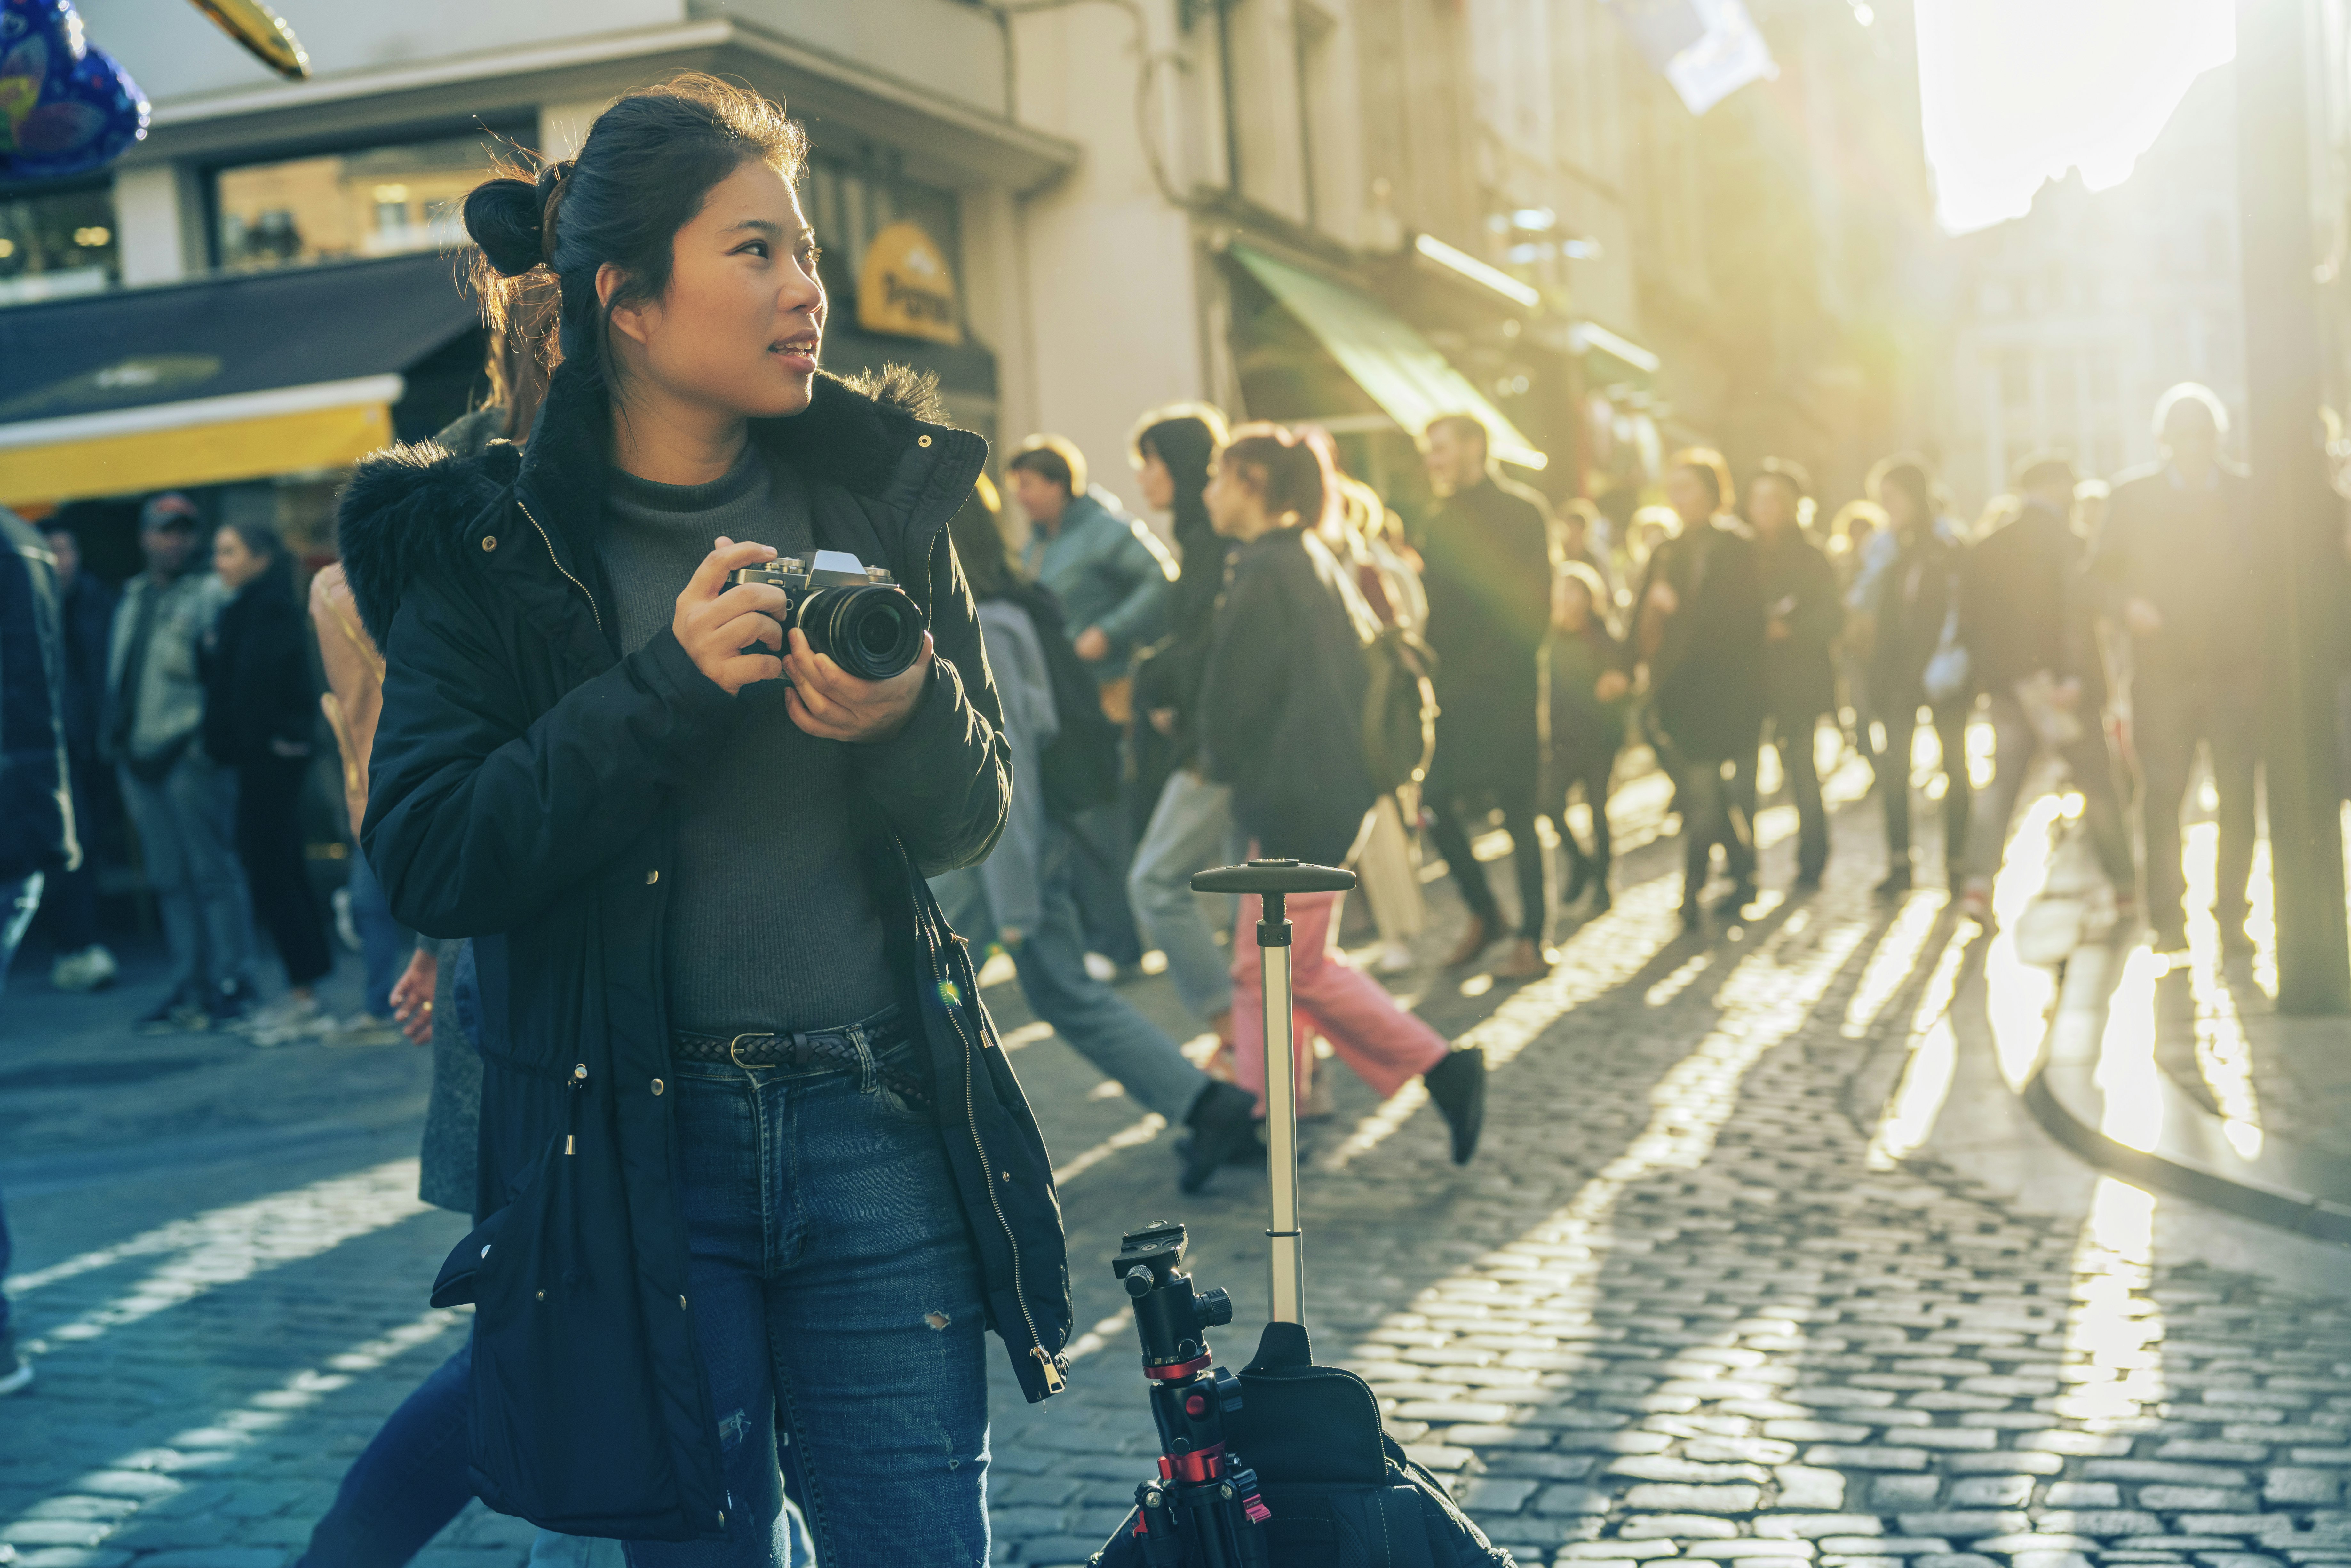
{"x":1696,"y":1299}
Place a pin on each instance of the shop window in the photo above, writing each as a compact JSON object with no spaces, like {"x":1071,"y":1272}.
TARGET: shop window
{"x":55,"y":243}
{"x":339,"y":206}
{"x":851,"y":198}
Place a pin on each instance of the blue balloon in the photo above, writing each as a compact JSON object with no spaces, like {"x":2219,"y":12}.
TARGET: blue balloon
{"x":65,"y":107}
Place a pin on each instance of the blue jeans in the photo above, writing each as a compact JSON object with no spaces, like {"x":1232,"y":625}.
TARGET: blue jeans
{"x":187,"y":842}
{"x":1051,"y":961}
{"x":836,"y":1296}
{"x":384,"y":946}
{"x":410,"y":1481}
{"x":1192,"y":830}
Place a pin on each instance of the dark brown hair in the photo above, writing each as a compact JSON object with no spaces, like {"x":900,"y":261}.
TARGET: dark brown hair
{"x":1709,"y":464}
{"x":1054,"y":459}
{"x":649,"y":161}
{"x":1293,"y":473}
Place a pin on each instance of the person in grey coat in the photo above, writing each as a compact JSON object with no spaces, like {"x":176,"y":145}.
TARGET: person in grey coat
{"x":183,"y":802}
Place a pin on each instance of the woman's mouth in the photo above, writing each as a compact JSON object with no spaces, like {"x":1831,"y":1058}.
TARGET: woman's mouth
{"x":798,"y":354}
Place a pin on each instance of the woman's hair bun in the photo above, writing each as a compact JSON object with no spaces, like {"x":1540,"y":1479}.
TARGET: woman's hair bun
{"x":504,"y":218}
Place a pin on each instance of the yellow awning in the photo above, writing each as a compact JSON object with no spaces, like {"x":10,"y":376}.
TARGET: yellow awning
{"x":206,"y":440}
{"x":1380,"y":352}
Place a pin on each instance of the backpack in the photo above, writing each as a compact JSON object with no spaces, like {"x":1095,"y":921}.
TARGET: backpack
{"x":1081,"y":768}
{"x":1399,"y":708}
{"x":1399,"y":719}
{"x":1343,"y":1493}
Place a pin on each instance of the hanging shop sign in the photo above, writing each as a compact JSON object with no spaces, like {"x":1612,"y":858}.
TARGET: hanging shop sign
{"x":904,"y":288}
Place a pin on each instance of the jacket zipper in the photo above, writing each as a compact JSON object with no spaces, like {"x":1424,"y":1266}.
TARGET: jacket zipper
{"x":551,"y":556}
{"x":1051,"y":1368}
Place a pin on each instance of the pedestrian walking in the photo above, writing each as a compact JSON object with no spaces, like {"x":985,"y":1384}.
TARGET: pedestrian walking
{"x":182,"y":800}
{"x":1280,"y":724}
{"x":1586,"y":700}
{"x":786,"y":1114}
{"x":1697,"y":636}
{"x":86,"y":606}
{"x":1803,"y":614}
{"x":1369,"y":540}
{"x":2026,"y":617}
{"x":1857,"y":522}
{"x":1487,"y":568}
{"x":1191,"y":826}
{"x":1913,"y":594}
{"x":1021,"y":897}
{"x":260,"y":712}
{"x":36,"y":819}
{"x":1579,"y":533}
{"x":2175,"y":568}
{"x":1112,"y":579}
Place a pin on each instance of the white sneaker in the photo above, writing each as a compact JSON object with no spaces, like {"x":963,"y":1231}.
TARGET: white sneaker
{"x":289,"y":1019}
{"x":1395,"y":958}
{"x":93,"y":968}
{"x":362,"y":1029}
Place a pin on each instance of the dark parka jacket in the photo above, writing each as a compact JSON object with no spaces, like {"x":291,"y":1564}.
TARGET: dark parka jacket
{"x":521,"y":793}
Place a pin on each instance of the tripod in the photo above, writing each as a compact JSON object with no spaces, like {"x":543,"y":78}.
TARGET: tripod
{"x":1205,"y":1511}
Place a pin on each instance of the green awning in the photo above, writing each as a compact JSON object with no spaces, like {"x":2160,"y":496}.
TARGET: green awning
{"x":1411,"y":382}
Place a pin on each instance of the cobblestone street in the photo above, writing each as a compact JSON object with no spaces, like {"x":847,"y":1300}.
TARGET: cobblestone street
{"x":1711,"y":1290}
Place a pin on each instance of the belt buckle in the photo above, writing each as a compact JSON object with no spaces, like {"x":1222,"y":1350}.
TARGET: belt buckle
{"x":734,"y":1044}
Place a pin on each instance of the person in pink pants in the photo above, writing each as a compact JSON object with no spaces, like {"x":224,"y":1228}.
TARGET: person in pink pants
{"x":1385,"y":1045}
{"x":1280,"y":703}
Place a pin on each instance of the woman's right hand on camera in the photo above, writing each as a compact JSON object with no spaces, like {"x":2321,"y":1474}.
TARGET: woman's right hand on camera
{"x":716,"y":622}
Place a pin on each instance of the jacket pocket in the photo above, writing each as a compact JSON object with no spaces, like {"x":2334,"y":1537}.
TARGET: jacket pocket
{"x":571,"y":1426}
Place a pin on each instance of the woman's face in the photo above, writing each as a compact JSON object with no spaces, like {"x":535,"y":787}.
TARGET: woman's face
{"x":1570,"y":604}
{"x":1236,"y":506}
{"x":737,"y":330}
{"x":236,"y":564}
{"x":1159,"y":484}
{"x":1689,"y":496}
{"x":1899,"y":511}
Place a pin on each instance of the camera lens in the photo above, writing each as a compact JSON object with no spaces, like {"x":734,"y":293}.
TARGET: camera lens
{"x":873,"y":630}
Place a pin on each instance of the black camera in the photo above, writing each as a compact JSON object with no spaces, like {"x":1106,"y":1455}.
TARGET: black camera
{"x":850,"y":611}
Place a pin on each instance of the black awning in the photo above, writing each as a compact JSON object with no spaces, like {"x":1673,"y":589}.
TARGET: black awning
{"x":227,"y":335}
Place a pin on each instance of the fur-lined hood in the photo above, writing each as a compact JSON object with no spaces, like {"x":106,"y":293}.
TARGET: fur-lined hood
{"x":415,"y":507}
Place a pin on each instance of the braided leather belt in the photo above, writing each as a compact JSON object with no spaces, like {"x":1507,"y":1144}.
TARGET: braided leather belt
{"x":888,"y":1043}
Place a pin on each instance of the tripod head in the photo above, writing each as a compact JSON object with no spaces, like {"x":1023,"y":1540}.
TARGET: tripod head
{"x":1171,"y":1317}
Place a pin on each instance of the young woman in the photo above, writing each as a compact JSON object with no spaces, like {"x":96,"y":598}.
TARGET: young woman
{"x":260,"y":711}
{"x":1190,"y":828}
{"x":745,"y":1150}
{"x":1279,"y":706}
{"x":1584,"y":701}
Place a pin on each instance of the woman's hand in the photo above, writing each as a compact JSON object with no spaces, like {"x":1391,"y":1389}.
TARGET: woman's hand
{"x":1663,"y":598}
{"x":829,"y":702}
{"x":1611,"y":685}
{"x":715,"y":622}
{"x":412,"y":997}
{"x":1092,"y":645}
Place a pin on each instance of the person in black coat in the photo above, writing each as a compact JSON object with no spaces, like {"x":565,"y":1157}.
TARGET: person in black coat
{"x":1698,"y":629}
{"x":86,"y":606}
{"x":1281,"y":706}
{"x":260,"y":710}
{"x":1913,"y":601}
{"x":1803,"y":612}
{"x":2026,"y":618}
{"x":1487,"y":569}
{"x":580,"y":765}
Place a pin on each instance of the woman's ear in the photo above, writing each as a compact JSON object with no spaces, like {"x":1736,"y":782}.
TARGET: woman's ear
{"x":629,"y":319}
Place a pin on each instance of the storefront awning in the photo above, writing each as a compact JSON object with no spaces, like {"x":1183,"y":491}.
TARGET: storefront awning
{"x":1395,"y":366}
{"x":228,"y":379}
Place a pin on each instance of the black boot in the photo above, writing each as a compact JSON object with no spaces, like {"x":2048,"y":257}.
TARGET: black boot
{"x":1224,"y":1129}
{"x":1458,"y":1085}
{"x":1896,"y":883}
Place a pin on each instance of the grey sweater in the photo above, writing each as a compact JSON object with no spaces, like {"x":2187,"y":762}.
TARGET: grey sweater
{"x":772,"y":925}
